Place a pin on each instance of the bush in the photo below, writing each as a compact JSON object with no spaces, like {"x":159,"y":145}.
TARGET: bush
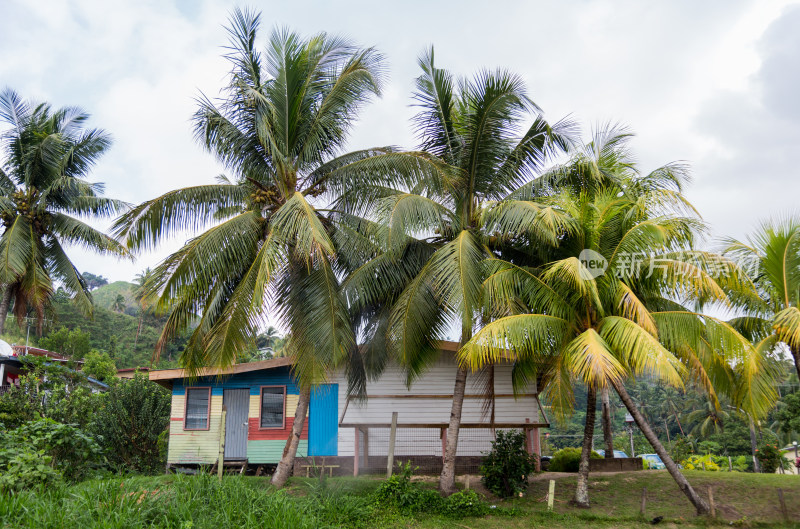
{"x":43,"y":452}
{"x":400,"y":493}
{"x":681,"y":449}
{"x":48,"y":391}
{"x":743,"y":464}
{"x":133,"y":416}
{"x":707,"y":462}
{"x":23,"y":468}
{"x":506,"y":467}
{"x":568,"y":460}
{"x":464,"y":503}
{"x":769,"y":456}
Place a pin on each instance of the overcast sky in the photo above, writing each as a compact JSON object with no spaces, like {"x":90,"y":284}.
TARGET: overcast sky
{"x":714,"y":83}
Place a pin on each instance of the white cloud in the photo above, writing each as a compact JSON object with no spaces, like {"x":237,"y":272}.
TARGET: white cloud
{"x":696,"y":81}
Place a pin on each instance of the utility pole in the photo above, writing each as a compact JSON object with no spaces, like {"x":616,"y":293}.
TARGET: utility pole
{"x":629,"y":422}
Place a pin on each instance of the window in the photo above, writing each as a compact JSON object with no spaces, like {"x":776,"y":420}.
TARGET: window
{"x":273,"y":406}
{"x":197,"y":408}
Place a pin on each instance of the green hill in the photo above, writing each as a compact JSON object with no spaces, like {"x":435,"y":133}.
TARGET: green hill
{"x":108,"y":331}
{"x":106,"y":295}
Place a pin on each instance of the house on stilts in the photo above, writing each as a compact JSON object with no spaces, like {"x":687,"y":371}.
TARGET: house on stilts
{"x":342,"y":435}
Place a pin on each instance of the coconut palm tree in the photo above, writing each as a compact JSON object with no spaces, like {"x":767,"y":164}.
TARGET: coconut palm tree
{"x":771,"y":256}
{"x":119,"y":304}
{"x":430,"y":267}
{"x":46,"y":156}
{"x":604,"y":323}
{"x":280,"y":129}
{"x":705,"y":418}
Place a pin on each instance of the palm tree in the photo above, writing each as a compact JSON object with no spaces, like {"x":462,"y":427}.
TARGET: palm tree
{"x":430,"y":268}
{"x":47,"y":154}
{"x":705,"y":418}
{"x":119,"y":304}
{"x":280,"y":129}
{"x":602,"y":327}
{"x":771,"y":256}
{"x":140,"y":296}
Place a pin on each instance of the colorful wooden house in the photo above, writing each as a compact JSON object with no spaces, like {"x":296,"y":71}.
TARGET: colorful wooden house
{"x":344,"y":432}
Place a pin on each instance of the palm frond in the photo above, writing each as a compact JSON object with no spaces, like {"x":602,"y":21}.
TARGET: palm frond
{"x":183,"y":209}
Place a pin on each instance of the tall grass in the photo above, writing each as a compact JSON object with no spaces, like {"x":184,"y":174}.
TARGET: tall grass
{"x":179,"y":502}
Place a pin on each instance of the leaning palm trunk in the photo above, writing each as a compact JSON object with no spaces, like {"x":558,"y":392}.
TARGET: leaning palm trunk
{"x":608,"y":437}
{"x":4,"y":304}
{"x":700,"y":505}
{"x":582,"y":490}
{"x":447,"y":480}
{"x":754,"y":446}
{"x":286,"y":463}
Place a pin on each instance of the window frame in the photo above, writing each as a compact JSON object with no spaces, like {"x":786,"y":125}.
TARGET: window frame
{"x":186,"y":409}
{"x":261,"y":407}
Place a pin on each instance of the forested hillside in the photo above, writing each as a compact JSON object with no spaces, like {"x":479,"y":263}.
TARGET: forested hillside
{"x":118,"y":328}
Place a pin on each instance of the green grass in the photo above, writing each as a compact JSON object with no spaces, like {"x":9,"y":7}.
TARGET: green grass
{"x":200,"y":502}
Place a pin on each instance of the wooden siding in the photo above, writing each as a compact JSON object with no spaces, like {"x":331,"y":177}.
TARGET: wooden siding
{"x":271,"y":451}
{"x":263,"y":445}
{"x":194,"y":446}
{"x":393,"y":395}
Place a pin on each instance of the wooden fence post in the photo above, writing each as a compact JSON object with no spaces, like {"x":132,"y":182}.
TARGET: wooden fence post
{"x":551,"y":495}
{"x":355,"y":452}
{"x":643,"y":507}
{"x":443,"y":435}
{"x":528,"y":438}
{"x":221,"y":458}
{"x":711,"y":504}
{"x":730,"y":464}
{"x":782,"y":501}
{"x":392,"y":437}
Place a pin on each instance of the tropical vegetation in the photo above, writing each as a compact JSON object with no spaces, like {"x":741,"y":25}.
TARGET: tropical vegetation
{"x":435,"y":235}
{"x":625,"y":319}
{"x":280,"y":129}
{"x":528,"y":243}
{"x":47,"y":154}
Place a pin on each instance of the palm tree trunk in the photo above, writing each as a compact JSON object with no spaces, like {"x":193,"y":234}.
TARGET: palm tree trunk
{"x":754,"y":446}
{"x":286,"y":463}
{"x":4,"y":304}
{"x":796,"y":355}
{"x":608,"y":436}
{"x":582,"y":490}
{"x":447,"y":480}
{"x":699,"y":504}
{"x":677,"y":420}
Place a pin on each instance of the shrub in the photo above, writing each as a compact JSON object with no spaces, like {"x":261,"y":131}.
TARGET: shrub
{"x":569,"y":459}
{"x":464,"y":503}
{"x":769,"y":456}
{"x":681,"y":449}
{"x":23,"y":468}
{"x":742,"y":464}
{"x":506,"y":467}
{"x":43,"y":452}
{"x":134,"y":414}
{"x":706,"y":462}
{"x":50,"y":391}
{"x":400,"y":493}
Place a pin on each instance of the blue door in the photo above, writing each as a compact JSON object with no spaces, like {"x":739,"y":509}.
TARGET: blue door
{"x":323,"y":421}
